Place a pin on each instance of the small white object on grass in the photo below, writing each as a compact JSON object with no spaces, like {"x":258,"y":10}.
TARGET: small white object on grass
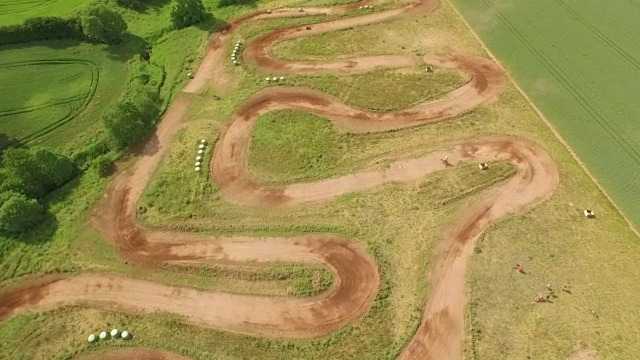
{"x":281,"y":78}
{"x":92,"y":338}
{"x":201,"y":146}
{"x":197,"y":169}
{"x":198,"y":163}
{"x":235,"y":62}
{"x":274,"y":78}
{"x":126,"y":334}
{"x":203,"y":141}
{"x":114,"y":332}
{"x":200,"y":151}
{"x":198,"y":158}
{"x":103,"y":335}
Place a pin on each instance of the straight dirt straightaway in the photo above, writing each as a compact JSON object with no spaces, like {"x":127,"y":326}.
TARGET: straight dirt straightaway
{"x":441,"y":332}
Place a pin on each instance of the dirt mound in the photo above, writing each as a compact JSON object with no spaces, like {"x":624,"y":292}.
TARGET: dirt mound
{"x":441,"y":332}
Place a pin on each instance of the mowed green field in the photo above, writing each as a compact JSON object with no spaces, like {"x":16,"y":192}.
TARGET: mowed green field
{"x":49,"y":93}
{"x":16,"y":11}
{"x":579,"y":63}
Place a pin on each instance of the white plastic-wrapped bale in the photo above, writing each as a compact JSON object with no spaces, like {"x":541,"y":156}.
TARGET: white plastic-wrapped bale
{"x":198,"y":169}
{"x":198,"y":163}
{"x":125,"y":334}
{"x":114,"y":332}
{"x":198,"y":158}
{"x":200,"y":151}
{"x":203,"y":141}
{"x":103,"y":335}
{"x":201,"y":146}
{"x":267,"y":79}
{"x":274,"y":78}
{"x":281,"y":78}
{"x":92,"y":338}
{"x":235,"y":62}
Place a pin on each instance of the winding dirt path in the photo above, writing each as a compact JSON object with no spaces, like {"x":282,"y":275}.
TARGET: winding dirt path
{"x":441,"y":332}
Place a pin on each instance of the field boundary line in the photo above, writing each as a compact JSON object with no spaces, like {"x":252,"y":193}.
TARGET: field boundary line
{"x":541,"y":115}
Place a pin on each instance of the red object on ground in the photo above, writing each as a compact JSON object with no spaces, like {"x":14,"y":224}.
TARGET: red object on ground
{"x":520,"y":268}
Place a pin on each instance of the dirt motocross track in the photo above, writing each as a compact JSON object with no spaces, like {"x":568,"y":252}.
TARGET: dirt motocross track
{"x":441,"y":333}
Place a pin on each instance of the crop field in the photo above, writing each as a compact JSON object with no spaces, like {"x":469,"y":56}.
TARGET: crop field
{"x":16,"y":11}
{"x":337,"y":213}
{"x":50,"y":93}
{"x":575,"y":60}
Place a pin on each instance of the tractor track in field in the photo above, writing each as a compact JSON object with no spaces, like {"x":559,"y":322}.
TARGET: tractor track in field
{"x":441,"y":332}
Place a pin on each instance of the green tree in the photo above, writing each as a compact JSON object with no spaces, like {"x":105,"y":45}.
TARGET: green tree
{"x":100,"y":24}
{"x":187,"y":12}
{"x":126,"y":123}
{"x":19,"y":213}
{"x":34,"y":172}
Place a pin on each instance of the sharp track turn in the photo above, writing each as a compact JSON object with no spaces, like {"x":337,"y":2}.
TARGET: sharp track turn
{"x":441,"y":332}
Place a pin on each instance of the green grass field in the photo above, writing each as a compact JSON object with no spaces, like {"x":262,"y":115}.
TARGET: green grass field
{"x":16,"y":11}
{"x":576,"y":61}
{"x":52,"y":94}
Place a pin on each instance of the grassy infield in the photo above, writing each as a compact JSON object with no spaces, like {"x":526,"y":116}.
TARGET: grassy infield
{"x":399,"y":224}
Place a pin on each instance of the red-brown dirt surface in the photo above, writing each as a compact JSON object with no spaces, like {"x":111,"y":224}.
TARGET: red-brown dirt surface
{"x":441,"y":332}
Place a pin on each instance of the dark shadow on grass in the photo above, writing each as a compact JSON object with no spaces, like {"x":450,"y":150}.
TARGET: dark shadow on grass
{"x":154,"y":5}
{"x":132,"y":45}
{"x":52,"y":44}
{"x":5,"y":141}
{"x":212,"y":24}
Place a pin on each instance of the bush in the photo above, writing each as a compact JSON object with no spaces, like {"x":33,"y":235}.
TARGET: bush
{"x":102,"y":165}
{"x":42,"y":28}
{"x":35,"y":172}
{"x":19,"y":213}
{"x":128,"y":122}
{"x":187,"y":12}
{"x":100,"y":24}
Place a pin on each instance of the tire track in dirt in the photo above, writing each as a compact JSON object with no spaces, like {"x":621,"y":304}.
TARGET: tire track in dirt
{"x":441,"y":332}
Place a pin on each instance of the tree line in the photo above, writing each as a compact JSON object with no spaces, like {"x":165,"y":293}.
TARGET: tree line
{"x":98,"y":23}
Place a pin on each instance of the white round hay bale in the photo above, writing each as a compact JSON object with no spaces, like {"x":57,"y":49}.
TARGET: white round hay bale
{"x":274,"y":78}
{"x":92,"y":338}
{"x":235,"y":62}
{"x":198,"y":163}
{"x":125,"y":334}
{"x":200,"y":151}
{"x":198,"y":158}
{"x":114,"y":332}
{"x":267,"y":79}
{"x":103,"y":335}
{"x":198,"y":169}
{"x":281,"y":78}
{"x":201,"y":146}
